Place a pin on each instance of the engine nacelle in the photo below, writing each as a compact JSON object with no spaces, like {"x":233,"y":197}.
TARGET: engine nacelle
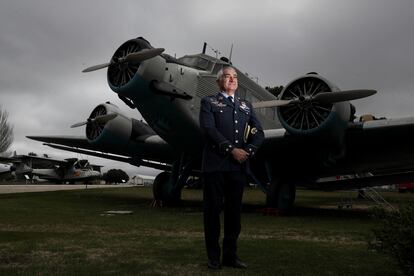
{"x":312,"y":118}
{"x":132,"y":80}
{"x":324,"y":124}
{"x":113,"y":133}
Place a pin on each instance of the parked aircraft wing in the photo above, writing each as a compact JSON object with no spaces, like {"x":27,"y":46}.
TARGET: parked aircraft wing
{"x":131,"y":160}
{"x":43,"y":159}
{"x":22,"y":158}
{"x":386,"y":124}
{"x":6,"y":160}
{"x":384,"y":145}
{"x":380,"y":146}
{"x":72,"y":141}
{"x":143,"y":152}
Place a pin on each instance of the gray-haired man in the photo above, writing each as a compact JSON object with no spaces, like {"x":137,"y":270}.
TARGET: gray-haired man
{"x":233,"y":135}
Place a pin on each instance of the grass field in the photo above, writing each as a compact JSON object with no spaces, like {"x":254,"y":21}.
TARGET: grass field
{"x":68,"y":233}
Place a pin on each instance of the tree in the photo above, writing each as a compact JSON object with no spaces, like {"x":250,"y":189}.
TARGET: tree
{"x":115,"y":176}
{"x":6,"y":131}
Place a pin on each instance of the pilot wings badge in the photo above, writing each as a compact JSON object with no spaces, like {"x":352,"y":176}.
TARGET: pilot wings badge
{"x":218,"y":104}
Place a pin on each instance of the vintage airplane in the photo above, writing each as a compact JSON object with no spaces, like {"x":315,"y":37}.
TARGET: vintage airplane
{"x":310,"y":130}
{"x":4,"y":170}
{"x":58,"y":170}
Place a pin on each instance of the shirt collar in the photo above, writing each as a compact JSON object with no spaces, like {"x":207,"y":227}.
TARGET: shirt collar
{"x":225,"y":95}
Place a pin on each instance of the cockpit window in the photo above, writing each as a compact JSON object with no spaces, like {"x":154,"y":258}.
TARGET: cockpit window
{"x":217,"y":68}
{"x":196,"y":62}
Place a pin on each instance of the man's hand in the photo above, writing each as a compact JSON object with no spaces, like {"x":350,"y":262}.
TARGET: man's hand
{"x":240,"y":155}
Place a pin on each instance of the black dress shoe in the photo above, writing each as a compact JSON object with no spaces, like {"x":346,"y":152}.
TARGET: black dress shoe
{"x":213,"y":264}
{"x":235,"y":262}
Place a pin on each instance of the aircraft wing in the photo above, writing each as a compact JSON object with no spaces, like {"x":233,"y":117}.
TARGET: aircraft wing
{"x":379,"y":147}
{"x":43,"y":160}
{"x":71,"y":141}
{"x":4,"y":169}
{"x":385,"y":124}
{"x":24,"y":158}
{"x":6,"y":160}
{"x":36,"y":161}
{"x":150,"y":152}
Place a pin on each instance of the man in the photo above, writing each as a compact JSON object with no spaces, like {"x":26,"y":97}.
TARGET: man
{"x":233,"y":135}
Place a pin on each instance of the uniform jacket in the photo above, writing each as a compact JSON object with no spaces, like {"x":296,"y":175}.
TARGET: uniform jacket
{"x":227,"y":125}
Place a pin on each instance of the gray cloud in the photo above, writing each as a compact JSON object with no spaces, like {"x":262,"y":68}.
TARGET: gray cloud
{"x":45,"y":44}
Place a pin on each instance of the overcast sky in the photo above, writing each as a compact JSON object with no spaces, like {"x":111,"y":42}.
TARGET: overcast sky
{"x":44,"y":45}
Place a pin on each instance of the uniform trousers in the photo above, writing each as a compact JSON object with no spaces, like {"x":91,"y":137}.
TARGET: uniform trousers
{"x":222,"y":190}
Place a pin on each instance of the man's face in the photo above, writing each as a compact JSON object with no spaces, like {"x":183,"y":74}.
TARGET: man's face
{"x":228,"y":82}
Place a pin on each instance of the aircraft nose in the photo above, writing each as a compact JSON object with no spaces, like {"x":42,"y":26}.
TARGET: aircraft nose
{"x":130,"y":54}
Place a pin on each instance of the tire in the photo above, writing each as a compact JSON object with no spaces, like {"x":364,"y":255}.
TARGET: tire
{"x":281,"y":195}
{"x":159,"y":187}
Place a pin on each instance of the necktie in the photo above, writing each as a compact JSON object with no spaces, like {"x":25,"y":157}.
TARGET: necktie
{"x":231,"y":99}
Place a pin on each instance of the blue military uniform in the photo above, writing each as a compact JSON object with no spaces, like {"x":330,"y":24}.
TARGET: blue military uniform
{"x":226,"y":125}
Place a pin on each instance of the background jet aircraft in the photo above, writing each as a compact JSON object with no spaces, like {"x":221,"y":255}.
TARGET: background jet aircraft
{"x":310,"y":130}
{"x":52,"y":169}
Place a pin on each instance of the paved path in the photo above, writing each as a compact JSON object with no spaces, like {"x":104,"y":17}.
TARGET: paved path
{"x":9,"y":189}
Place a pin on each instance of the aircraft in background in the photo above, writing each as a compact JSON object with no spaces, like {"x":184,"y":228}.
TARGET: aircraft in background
{"x":310,"y":131}
{"x":4,"y":169}
{"x":70,"y":170}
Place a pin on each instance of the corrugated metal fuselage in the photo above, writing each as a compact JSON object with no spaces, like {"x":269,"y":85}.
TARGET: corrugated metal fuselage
{"x":175,"y":119}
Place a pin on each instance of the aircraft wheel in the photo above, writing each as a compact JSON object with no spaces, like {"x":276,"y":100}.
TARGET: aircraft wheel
{"x":160,"y":186}
{"x":281,"y":195}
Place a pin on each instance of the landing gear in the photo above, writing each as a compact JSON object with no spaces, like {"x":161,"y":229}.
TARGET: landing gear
{"x":167,"y":186}
{"x":161,"y":186}
{"x":281,"y":195}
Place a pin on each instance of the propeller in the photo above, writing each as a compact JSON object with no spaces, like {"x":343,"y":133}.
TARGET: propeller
{"x":322,"y":98}
{"x":136,"y":57}
{"x":271,"y":103}
{"x":98,"y":119}
{"x":140,"y":56}
{"x":83,"y":163}
{"x":342,"y":96}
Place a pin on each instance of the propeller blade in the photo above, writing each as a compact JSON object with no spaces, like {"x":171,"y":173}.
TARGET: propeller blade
{"x":79,"y":124}
{"x":104,"y":118}
{"x":136,"y":57}
{"x":85,"y":163}
{"x":98,"y":119}
{"x":323,"y":98}
{"x":272,"y":103}
{"x":341,"y":96}
{"x":96,"y":67}
{"x":144,"y":54}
